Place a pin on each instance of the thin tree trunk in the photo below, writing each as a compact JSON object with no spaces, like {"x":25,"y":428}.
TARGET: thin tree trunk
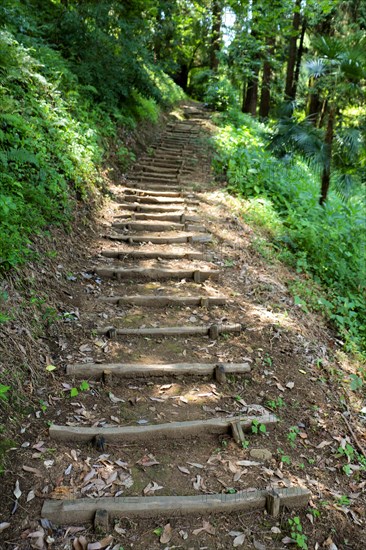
{"x":251,"y":96}
{"x":216,"y":34}
{"x":298,"y":59}
{"x":292,"y":51}
{"x":329,"y":135}
{"x":265,"y":101}
{"x":314,"y":105}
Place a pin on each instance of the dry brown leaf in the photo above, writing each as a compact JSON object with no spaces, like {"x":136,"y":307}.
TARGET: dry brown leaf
{"x":323,"y":444}
{"x":207,"y":527}
{"x":166,"y":534}
{"x":4,"y":525}
{"x":184,"y":470}
{"x":148,"y":460}
{"x":80,"y":543}
{"x":151,"y":488}
{"x":31,"y":470}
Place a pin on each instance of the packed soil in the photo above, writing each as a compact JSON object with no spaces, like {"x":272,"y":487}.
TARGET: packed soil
{"x":298,"y":372}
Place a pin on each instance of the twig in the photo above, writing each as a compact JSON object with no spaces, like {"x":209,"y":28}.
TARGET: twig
{"x":360,"y":448}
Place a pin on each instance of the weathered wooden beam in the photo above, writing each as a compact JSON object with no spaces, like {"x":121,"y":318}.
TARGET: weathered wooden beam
{"x":175,"y":430}
{"x":136,"y":207}
{"x":79,"y":511}
{"x":205,"y":330}
{"x":158,"y":226}
{"x":146,"y":191}
{"x":162,"y":300}
{"x":155,"y":273}
{"x":178,"y":216}
{"x":159,"y":239}
{"x":151,"y":254}
{"x":129,"y":370}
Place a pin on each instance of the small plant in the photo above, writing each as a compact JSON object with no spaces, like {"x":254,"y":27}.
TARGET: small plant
{"x":258,"y":428}
{"x":158,"y":531}
{"x":245,"y":444}
{"x":296,"y":533}
{"x":84,"y":386}
{"x":4,"y":392}
{"x":343,"y":501}
{"x":274,"y":404}
{"x":314,"y":512}
{"x":292,"y":435}
{"x":267,"y":360}
{"x":285,"y":459}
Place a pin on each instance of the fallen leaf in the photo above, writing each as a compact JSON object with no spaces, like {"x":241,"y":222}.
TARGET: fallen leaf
{"x":239,"y":540}
{"x":323,"y":444}
{"x":148,"y":460}
{"x":17,"y":492}
{"x":115,"y":399}
{"x":329,"y":544}
{"x":197,"y":482}
{"x":183,"y":470}
{"x":195,"y":464}
{"x":258,"y":545}
{"x":166,"y":534}
{"x":31,"y":495}
{"x":31,"y":470}
{"x":275,"y":530}
{"x":207,"y":527}
{"x":4,"y":526}
{"x":80,"y":543}
{"x":151,"y":488}
{"x":290,"y":385}
{"x":183,"y":534}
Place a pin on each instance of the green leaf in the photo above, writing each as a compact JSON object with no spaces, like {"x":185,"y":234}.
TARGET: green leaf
{"x":158,"y":531}
{"x":74,"y":392}
{"x":355,"y":382}
{"x":84,"y":386}
{"x":50,"y":368}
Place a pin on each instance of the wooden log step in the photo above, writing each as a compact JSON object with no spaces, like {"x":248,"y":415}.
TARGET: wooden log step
{"x":213,"y":331}
{"x":153,"y":186}
{"x":84,"y":510}
{"x":95,"y":371}
{"x":154,"y":273}
{"x":158,"y":226}
{"x":158,"y":200}
{"x":152,"y":192}
{"x":154,"y":254}
{"x":154,"y":177}
{"x":165,"y":300}
{"x":137,"y":207}
{"x":160,"y":239}
{"x":178,"y":216}
{"x":176,"y":430}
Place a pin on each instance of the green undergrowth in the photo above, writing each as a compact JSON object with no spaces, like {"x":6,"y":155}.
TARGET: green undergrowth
{"x":60,"y":106}
{"x":281,"y":196}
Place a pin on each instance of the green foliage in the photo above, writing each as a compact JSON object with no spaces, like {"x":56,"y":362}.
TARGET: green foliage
{"x":84,"y":386}
{"x":258,"y":427}
{"x":219,"y":93}
{"x":296,"y":533}
{"x":4,"y":392}
{"x":69,"y":77}
{"x":282,"y":197}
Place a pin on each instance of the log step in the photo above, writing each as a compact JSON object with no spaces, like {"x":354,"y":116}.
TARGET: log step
{"x":213,"y":331}
{"x":165,"y":300}
{"x":153,"y":186}
{"x":177,"y":217}
{"x":135,"y":273}
{"x":175,"y":430}
{"x":84,"y":510}
{"x":146,"y":191}
{"x":96,"y":371}
{"x":158,"y":226}
{"x":136,"y":207}
{"x":158,"y":200}
{"x":187,"y":238}
{"x":154,"y":254}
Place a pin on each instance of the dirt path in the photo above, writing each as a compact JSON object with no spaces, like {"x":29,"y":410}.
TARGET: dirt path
{"x":196,"y":416}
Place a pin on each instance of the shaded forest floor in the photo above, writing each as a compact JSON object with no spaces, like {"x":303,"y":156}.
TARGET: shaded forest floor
{"x":294,"y":359}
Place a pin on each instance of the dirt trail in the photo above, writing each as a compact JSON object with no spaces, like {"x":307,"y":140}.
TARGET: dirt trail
{"x":191,"y":370}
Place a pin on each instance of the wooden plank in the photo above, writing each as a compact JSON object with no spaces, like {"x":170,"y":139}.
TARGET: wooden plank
{"x":156,"y":200}
{"x":157,"y":226}
{"x":79,"y":511}
{"x":147,"y":191}
{"x":175,"y":430}
{"x":165,"y":300}
{"x":136,"y":207}
{"x":154,"y":273}
{"x":204,"y":330}
{"x":151,"y":254}
{"x":178,"y":216}
{"x":187,"y":238}
{"x":130,"y":370}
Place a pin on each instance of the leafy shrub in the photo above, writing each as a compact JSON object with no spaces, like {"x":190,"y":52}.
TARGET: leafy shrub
{"x":283,"y":197}
{"x":220,"y":93}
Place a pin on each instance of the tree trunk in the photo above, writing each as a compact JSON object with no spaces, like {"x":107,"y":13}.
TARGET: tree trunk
{"x":251,"y":96}
{"x":314,"y":105}
{"x":298,"y":60}
{"x":216,"y":34}
{"x":182,"y":77}
{"x":329,"y":135}
{"x":265,"y":101}
{"x":292,"y":51}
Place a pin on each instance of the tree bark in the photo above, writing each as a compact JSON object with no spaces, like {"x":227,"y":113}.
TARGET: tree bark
{"x":292,"y":51}
{"x":182,"y":77}
{"x":251,"y":96}
{"x":265,"y":101}
{"x":300,"y":51}
{"x":314,"y":105}
{"x":216,"y":34}
{"x":329,"y":135}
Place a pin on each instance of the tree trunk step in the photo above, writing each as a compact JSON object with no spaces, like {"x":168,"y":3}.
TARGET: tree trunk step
{"x":213,"y":331}
{"x":83,"y":510}
{"x":155,"y":273}
{"x":158,"y":226}
{"x":159,"y":200}
{"x":129,"y":370}
{"x":146,"y":191}
{"x":188,"y":238}
{"x":178,"y":217}
{"x":174,"y":430}
{"x":136,"y":207}
{"x":165,"y":300}
{"x":153,"y":254}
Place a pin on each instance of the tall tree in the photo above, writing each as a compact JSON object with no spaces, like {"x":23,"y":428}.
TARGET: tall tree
{"x":292,"y":51}
{"x":215,"y":46}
